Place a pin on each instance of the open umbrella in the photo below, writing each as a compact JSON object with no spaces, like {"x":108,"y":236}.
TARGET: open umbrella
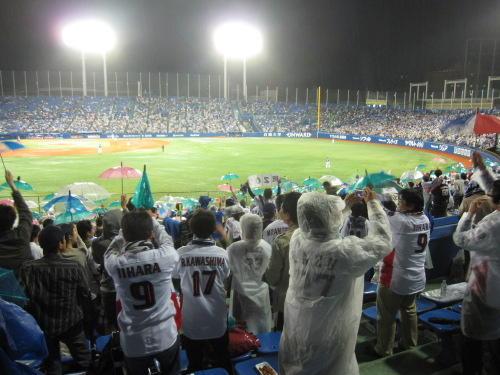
{"x":411,"y":176}
{"x":8,"y":202}
{"x":225,"y":187}
{"x":334,"y":181}
{"x":49,"y":197}
{"x":66,"y":201}
{"x":31,"y":204}
{"x":9,"y":146}
{"x":229,"y":176}
{"x":420,"y":166}
{"x":372,"y":180}
{"x":71,"y":217}
{"x":120,"y":172}
{"x":388,"y":187}
{"x":20,"y":185}
{"x":491,"y":163}
{"x":114,"y":204}
{"x":309,"y":181}
{"x":86,"y":190}
{"x":10,"y":290}
{"x":286,"y":184}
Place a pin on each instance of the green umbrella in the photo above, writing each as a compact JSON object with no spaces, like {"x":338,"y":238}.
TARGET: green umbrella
{"x":143,"y":198}
{"x":309,"y":181}
{"x":420,"y":166}
{"x":229,"y":176}
{"x":20,"y":185}
{"x":114,"y":204}
{"x":371,"y":180}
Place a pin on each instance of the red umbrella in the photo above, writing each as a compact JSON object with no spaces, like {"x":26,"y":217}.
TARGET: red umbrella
{"x":121,"y":172}
{"x":8,"y":202}
{"x":225,"y":187}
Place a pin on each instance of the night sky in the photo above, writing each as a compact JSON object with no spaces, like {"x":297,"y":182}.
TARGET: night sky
{"x":357,"y":44}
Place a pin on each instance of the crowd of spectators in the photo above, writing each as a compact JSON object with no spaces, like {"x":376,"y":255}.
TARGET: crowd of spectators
{"x":112,"y":115}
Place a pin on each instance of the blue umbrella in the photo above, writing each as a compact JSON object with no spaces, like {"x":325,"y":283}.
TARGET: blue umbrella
{"x":9,"y":146}
{"x":68,"y":201}
{"x":70,"y":217}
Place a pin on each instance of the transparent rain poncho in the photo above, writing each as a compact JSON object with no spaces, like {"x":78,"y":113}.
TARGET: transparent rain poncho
{"x":248,"y":260}
{"x":324,"y":298}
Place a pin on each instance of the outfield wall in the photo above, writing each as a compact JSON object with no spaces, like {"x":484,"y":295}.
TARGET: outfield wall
{"x":416,"y":144}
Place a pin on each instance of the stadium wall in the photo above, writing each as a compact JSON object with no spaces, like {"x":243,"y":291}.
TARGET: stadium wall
{"x":411,"y":143}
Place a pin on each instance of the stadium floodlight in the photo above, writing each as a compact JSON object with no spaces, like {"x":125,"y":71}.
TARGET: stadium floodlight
{"x":90,"y":36}
{"x":237,"y":40}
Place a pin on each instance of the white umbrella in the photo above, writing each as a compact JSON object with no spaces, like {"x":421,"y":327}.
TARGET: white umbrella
{"x":334,"y":181}
{"x":89,"y":191}
{"x":411,"y":176}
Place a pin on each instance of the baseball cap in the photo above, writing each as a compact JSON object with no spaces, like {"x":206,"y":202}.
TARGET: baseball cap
{"x":269,"y":210}
{"x":50,"y":237}
{"x":236,"y":210}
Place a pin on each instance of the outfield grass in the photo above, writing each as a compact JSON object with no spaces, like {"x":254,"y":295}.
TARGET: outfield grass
{"x":190,"y":166}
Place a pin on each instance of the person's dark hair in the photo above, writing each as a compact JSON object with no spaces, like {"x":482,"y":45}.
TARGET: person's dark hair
{"x":67,"y":229}
{"x":99,"y":221}
{"x":35,"y":231}
{"x":84,"y":227}
{"x":357,"y":209}
{"x":495,"y":192}
{"x":153,"y":210}
{"x":414,"y":197}
{"x":202,"y":223}
{"x":279,"y":201}
{"x":48,"y":222}
{"x":7,"y":217}
{"x":411,"y":184}
{"x":137,"y":225}
{"x":426,"y":177}
{"x":268,"y":193}
{"x":289,"y":205}
{"x":130,"y":206}
{"x":243,"y":203}
{"x":326,"y":184}
{"x":390,"y":205}
{"x":438,"y":172}
{"x":463,"y":176}
{"x":50,"y":238}
{"x":229,"y":202}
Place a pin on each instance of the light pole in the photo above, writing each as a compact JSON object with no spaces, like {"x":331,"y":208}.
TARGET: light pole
{"x":90,"y":36}
{"x":238,"y":40}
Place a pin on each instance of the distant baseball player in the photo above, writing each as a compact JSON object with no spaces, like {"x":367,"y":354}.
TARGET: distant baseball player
{"x":327,"y":164}
{"x":202,"y":269}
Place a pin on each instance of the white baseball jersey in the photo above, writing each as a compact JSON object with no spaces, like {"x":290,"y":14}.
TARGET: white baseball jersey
{"x":142,"y":278}
{"x":202,"y":268}
{"x":232,"y":228}
{"x":273,"y":230}
{"x":403,"y":269}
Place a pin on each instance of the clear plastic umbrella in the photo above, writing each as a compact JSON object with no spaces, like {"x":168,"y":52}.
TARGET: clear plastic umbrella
{"x":87,"y":190}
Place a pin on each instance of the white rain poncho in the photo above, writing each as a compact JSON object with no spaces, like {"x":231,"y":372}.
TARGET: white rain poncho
{"x":481,"y":303}
{"x":248,"y":260}
{"x":324,"y":298}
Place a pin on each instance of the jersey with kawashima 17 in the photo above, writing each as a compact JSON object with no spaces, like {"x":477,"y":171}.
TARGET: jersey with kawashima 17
{"x":202,"y":269}
{"x":403,"y":270}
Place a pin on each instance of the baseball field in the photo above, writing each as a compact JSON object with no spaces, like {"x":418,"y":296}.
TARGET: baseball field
{"x":190,"y":167}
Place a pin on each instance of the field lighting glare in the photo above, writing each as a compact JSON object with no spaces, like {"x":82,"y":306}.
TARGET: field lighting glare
{"x":90,"y":36}
{"x":237,"y":40}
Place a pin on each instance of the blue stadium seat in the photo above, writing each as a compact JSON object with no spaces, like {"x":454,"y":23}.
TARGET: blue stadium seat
{"x":269,"y":342}
{"x":444,"y":332}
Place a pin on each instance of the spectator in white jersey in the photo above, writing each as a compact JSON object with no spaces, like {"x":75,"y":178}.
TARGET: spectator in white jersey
{"x":277,"y":227}
{"x":260,"y":200}
{"x":232,"y":225}
{"x":356,"y":224}
{"x":402,"y":274}
{"x":277,"y":273}
{"x":202,"y":269}
{"x":142,"y":278}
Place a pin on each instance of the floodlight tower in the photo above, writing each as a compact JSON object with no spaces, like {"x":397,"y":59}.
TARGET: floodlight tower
{"x":90,"y":36}
{"x":238,"y":40}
